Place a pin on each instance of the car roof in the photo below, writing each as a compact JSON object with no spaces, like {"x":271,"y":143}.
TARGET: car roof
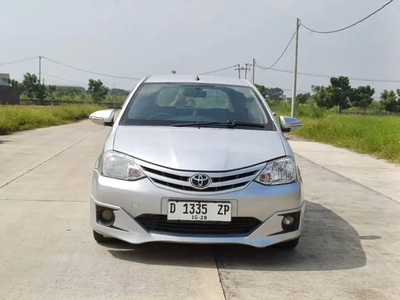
{"x":192,"y":79}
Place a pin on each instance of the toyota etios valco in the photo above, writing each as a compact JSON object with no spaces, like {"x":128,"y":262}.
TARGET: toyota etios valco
{"x":196,"y":159}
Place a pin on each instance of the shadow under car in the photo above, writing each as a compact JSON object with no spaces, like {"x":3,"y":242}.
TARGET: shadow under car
{"x":328,"y":242}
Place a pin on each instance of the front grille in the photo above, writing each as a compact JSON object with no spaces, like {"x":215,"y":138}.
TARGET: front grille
{"x":180,"y":180}
{"x":159,"y":223}
{"x":192,"y":189}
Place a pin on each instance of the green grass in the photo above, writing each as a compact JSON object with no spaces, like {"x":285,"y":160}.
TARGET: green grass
{"x":302,"y":111}
{"x":17,"y":118}
{"x":84,"y":98}
{"x":377,"y":136}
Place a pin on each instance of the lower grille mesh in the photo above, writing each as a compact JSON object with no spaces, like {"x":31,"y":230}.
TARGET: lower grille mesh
{"x":159,"y":223}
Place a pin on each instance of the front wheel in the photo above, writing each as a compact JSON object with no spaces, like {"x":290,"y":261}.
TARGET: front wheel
{"x":289,"y":245}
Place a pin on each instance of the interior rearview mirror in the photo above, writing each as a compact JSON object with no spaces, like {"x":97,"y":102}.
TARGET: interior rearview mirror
{"x":103,"y":117}
{"x":289,"y":124}
{"x":194,"y":92}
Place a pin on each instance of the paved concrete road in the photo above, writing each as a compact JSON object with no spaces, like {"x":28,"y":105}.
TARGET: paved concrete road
{"x":349,"y":250}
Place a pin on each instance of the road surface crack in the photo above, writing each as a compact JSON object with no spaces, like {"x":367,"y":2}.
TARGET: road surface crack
{"x":217,"y":265}
{"x":47,"y":160}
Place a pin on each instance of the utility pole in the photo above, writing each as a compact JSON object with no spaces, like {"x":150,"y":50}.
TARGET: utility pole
{"x":40,"y":76}
{"x":40,"y":68}
{"x":293,"y":110}
{"x":114,"y":97}
{"x":248,"y":67}
{"x":238,"y":69}
{"x":254,"y":69}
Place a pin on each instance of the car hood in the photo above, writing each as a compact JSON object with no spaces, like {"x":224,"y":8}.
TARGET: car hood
{"x":204,"y":149}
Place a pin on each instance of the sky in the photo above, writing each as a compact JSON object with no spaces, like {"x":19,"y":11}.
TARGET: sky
{"x":136,"y":38}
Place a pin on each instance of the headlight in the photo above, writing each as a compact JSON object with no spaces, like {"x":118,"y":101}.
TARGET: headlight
{"x":120,"y":166}
{"x":280,"y":171}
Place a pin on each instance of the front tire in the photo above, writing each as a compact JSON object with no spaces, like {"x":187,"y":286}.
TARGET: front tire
{"x":100,"y":238}
{"x":289,"y":245}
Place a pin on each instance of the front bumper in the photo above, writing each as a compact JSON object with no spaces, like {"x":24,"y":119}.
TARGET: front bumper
{"x":132,"y":199}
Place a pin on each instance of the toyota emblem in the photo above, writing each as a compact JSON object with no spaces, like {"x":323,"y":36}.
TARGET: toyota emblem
{"x":200,"y":181}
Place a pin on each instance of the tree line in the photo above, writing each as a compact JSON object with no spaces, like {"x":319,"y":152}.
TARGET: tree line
{"x":342,"y":95}
{"x":338,"y":94}
{"x":34,"y":89}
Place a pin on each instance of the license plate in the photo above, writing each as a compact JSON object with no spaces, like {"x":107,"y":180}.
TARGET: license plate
{"x":199,"y":211}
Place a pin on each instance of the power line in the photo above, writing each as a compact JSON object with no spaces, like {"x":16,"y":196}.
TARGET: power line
{"x":215,"y":71}
{"x":63,"y":79}
{"x":283,"y":53}
{"x":17,"y":61}
{"x":347,"y":27}
{"x":330,"y":76}
{"x":91,"y":72}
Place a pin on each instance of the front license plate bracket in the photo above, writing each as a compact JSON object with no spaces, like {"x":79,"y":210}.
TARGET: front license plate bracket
{"x":203,"y":211}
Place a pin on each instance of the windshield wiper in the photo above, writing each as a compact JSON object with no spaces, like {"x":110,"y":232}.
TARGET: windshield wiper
{"x":229,"y":123}
{"x":233,"y":123}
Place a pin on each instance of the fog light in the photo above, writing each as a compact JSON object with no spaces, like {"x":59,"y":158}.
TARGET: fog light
{"x":107,"y":215}
{"x":288,"y":220}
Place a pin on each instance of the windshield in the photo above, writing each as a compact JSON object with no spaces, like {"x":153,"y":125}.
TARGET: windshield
{"x":166,"y":104}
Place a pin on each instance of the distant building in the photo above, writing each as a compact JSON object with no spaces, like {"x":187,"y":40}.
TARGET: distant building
{"x":8,"y":94}
{"x":4,"y":78}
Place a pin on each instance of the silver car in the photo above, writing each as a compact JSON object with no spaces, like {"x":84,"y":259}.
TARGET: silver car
{"x":196,"y":159}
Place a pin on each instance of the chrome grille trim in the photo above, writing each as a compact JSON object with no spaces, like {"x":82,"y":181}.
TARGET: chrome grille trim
{"x":233,"y":182}
{"x":222,"y":182}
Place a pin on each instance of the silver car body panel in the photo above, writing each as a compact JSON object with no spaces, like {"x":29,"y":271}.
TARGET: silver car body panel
{"x":204,"y":149}
{"x":184,"y":152}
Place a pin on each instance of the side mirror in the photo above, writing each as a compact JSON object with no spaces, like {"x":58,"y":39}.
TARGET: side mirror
{"x":289,"y":124}
{"x":103,"y":117}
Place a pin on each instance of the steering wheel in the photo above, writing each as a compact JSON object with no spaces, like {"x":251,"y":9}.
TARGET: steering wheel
{"x":160,"y":116}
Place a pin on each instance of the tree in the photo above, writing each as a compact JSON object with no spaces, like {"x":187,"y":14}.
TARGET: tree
{"x":271,"y":93}
{"x":274,"y":93}
{"x":390,"y":101}
{"x":118,"y":92}
{"x":262,"y":89}
{"x":323,"y":96}
{"x":341,"y":92}
{"x":97,"y":90}
{"x":51,"y":91}
{"x":173,"y":72}
{"x":71,"y":92}
{"x":362,"y":96}
{"x":302,"y":98}
{"x":13,"y":83}
{"x":33,"y":88}
{"x":60,"y":93}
